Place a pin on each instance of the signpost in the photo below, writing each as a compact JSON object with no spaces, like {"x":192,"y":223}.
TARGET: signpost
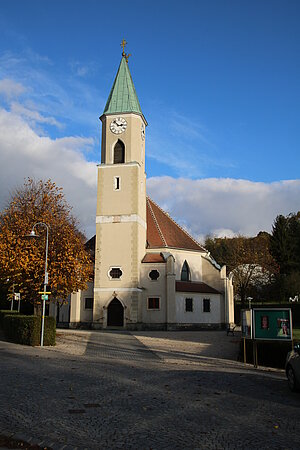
{"x":272,"y":324}
{"x":18,"y":299}
{"x":268,"y":324}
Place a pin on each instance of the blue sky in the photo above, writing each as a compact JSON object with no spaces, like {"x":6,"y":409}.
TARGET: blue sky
{"x":218,"y":82}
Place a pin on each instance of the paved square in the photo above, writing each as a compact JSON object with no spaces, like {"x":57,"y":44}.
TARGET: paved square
{"x":148,"y":390}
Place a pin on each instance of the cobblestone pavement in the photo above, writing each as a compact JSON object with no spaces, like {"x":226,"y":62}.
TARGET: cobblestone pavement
{"x":111,"y":390}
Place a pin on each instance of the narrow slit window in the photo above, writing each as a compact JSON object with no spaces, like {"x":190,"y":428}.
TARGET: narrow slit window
{"x":185,"y":272}
{"x":117,"y":183}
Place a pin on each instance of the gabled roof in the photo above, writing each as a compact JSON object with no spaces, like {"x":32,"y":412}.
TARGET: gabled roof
{"x":162,"y":231}
{"x":122,"y":97}
{"x":194,"y":286}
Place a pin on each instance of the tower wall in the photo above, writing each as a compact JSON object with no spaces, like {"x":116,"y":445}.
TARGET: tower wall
{"x":120,"y":221}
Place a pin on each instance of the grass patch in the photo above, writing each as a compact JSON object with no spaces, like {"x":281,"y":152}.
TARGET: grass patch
{"x":296,"y":333}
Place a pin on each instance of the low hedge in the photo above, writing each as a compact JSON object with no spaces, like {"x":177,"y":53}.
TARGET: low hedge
{"x":26,"y":330}
{"x":6,"y":312}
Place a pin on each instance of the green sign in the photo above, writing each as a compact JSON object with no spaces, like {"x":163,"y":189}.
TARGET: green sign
{"x":44,"y":297}
{"x":272,"y":323}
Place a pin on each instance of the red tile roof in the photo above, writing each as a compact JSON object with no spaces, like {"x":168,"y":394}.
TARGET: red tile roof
{"x":153,"y":258}
{"x":193,"y":286}
{"x":162,"y":231}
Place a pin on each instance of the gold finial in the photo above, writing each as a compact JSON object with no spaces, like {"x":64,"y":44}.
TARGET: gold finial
{"x":127,"y":56}
{"x":123,"y":44}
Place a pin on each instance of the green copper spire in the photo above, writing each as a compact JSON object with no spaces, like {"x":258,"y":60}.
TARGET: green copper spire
{"x":122,"y":97}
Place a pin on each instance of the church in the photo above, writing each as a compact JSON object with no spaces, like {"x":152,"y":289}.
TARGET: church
{"x":149,"y":272}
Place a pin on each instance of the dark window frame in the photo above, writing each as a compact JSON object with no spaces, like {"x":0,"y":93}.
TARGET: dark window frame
{"x":206,"y":305}
{"x":185,"y":272}
{"x":115,"y":273}
{"x":189,"y":304}
{"x":119,"y":152}
{"x":152,"y":271}
{"x":88,"y":303}
{"x":153,"y":303}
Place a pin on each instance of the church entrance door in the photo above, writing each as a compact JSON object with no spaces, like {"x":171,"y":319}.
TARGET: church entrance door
{"x":115,"y":314}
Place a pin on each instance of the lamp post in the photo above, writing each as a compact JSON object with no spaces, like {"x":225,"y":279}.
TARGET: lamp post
{"x":34,"y":235}
{"x":249,"y":300}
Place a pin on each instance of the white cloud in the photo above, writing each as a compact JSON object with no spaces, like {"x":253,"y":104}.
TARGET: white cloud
{"x":10,"y":89}
{"x":173,"y":136}
{"x":82,"y":70}
{"x":24,"y":153}
{"x":217,"y":206}
{"x":51,"y":92}
{"x":225,"y":206}
{"x":33,"y":116}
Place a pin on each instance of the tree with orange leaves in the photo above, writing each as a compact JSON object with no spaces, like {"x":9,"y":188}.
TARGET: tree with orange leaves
{"x":22,"y":260}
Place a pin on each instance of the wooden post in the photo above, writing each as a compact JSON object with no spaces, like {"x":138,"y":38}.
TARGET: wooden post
{"x":254,"y":353}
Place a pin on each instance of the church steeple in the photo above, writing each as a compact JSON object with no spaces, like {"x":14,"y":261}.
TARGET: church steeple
{"x":123,"y":97}
{"x":121,"y":203}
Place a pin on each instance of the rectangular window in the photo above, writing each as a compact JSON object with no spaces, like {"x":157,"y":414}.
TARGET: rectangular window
{"x":153,"y":303}
{"x":189,"y":305}
{"x":206,"y":305}
{"x":88,"y":303}
{"x":117,"y":183}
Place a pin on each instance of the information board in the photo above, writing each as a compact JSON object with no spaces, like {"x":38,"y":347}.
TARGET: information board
{"x":272,"y":324}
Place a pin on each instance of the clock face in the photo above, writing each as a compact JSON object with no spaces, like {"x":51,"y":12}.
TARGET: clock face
{"x":143,"y":131}
{"x":118,"y":125}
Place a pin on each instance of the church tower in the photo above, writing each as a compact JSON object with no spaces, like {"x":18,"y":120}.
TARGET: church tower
{"x":121,"y":207}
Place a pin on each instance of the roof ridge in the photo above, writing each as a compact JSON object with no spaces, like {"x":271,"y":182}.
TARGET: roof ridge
{"x":155,"y":220}
{"x":180,"y":227}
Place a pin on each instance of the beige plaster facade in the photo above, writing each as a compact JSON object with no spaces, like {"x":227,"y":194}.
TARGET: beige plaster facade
{"x":149,"y":273}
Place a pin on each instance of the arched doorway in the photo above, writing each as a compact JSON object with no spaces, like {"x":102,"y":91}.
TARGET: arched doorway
{"x":115,"y":314}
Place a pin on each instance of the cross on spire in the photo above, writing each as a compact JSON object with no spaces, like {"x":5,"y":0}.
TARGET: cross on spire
{"x":123,"y":44}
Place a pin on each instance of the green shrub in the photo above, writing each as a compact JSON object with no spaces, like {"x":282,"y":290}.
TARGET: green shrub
{"x":26,"y":330}
{"x":49,"y":331}
{"x":5,"y":312}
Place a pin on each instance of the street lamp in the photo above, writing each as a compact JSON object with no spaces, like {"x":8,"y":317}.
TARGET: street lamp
{"x":249,"y":300}
{"x":34,"y":235}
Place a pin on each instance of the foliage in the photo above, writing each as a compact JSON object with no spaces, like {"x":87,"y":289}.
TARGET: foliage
{"x":296,"y":334}
{"x":6,"y":312}
{"x":26,"y":330}
{"x":248,"y":260}
{"x":22,"y":260}
{"x":285,"y":243}
{"x":285,"y":248}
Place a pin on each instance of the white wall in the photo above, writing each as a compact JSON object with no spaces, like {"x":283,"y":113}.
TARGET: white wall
{"x":153,"y":289}
{"x":216,"y":314}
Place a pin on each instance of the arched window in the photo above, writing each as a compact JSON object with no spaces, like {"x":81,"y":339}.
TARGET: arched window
{"x":185,"y":272}
{"x":119,"y":152}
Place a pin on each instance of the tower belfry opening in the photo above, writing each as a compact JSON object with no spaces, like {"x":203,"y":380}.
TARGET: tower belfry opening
{"x":119,"y":152}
